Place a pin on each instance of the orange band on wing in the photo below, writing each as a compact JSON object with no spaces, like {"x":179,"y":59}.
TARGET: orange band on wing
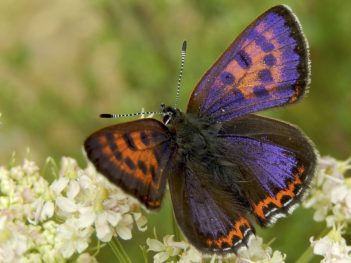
{"x":258,"y":209}
{"x":229,"y":238}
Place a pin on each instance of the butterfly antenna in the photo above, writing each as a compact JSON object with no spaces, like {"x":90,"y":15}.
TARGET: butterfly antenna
{"x":182,"y":54}
{"x":143,"y":113}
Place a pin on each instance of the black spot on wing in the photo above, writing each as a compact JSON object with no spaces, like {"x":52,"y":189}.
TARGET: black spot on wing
{"x":117,"y":155}
{"x":265,"y":45}
{"x":144,"y":138}
{"x":269,"y":60}
{"x":265,"y":75}
{"x":129,"y":163}
{"x":269,"y":208}
{"x":285,"y":198}
{"x":243,"y":59}
{"x":129,"y":141}
{"x":227,"y":78}
{"x":113,"y":146}
{"x":142,"y":166}
{"x":260,"y":91}
{"x":111,"y":141}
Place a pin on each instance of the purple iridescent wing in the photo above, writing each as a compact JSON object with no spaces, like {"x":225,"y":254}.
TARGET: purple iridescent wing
{"x":277,"y":162}
{"x":266,"y":66}
{"x":210,"y":218}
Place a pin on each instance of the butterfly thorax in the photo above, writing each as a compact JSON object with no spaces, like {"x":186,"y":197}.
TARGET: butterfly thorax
{"x":192,"y":136}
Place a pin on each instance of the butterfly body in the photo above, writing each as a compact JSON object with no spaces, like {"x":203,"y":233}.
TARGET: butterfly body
{"x":192,"y":137}
{"x":225,"y":166}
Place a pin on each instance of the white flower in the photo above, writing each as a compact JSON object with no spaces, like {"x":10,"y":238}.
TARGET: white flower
{"x":124,"y":227}
{"x":168,"y":249}
{"x":172,"y":251}
{"x":44,"y":210}
{"x":72,"y":238}
{"x":92,"y":200}
{"x":13,"y":242}
{"x":331,"y":192}
{"x":190,"y":255}
{"x":259,"y":252}
{"x":59,"y":185}
{"x":332,"y":247}
{"x":29,"y":167}
{"x":105,"y":223}
{"x":67,"y":205}
{"x":86,"y":258}
{"x":140,"y":221}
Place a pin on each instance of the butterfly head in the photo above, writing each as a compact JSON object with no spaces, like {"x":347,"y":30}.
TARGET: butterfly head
{"x":170,"y":114}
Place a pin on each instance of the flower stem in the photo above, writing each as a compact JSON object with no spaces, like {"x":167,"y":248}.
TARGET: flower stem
{"x":306,"y":256}
{"x":119,"y":251}
{"x":144,"y":251}
{"x":175,"y":228}
{"x":116,"y":252}
{"x":97,"y":248}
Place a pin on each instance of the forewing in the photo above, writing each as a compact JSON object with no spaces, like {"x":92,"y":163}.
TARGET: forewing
{"x":277,"y":162}
{"x":266,"y":66}
{"x":209,"y":218}
{"x":134,"y":156}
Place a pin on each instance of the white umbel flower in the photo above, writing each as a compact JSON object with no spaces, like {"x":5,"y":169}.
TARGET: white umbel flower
{"x":90,"y":198}
{"x":53,"y":223}
{"x":168,"y":249}
{"x":332,"y":247}
{"x":72,"y":238}
{"x":330,"y":195}
{"x":258,"y":252}
{"x":172,"y":251}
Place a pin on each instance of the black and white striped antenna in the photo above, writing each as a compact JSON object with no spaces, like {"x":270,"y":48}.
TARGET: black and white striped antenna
{"x":182,"y":54}
{"x":111,"y":115}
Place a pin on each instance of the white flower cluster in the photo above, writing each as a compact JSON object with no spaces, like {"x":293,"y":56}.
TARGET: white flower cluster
{"x":172,"y":251}
{"x":332,"y":247}
{"x":42,"y":222}
{"x":331,"y":198}
{"x":330,"y":195}
{"x":258,"y":252}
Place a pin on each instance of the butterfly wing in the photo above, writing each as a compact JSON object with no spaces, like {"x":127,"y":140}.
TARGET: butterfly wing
{"x":135,"y":156}
{"x":277,"y":162}
{"x":266,"y":66}
{"x":211,"y":219}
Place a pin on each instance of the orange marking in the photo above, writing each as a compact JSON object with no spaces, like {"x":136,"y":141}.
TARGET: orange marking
{"x":137,"y":141}
{"x":228,"y":239}
{"x":154,"y":203}
{"x":149,"y":159}
{"x":269,"y":34}
{"x":260,"y":27}
{"x":234,"y":68}
{"x":151,"y":203}
{"x":258,"y":209}
{"x":297,"y":93}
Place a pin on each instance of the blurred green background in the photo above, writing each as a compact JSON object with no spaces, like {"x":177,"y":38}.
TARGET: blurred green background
{"x":64,"y":62}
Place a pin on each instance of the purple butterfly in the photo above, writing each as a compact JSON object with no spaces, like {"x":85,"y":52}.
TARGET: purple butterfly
{"x":224,"y":165}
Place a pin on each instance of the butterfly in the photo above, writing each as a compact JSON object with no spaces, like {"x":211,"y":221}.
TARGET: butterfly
{"x":226,"y":167}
